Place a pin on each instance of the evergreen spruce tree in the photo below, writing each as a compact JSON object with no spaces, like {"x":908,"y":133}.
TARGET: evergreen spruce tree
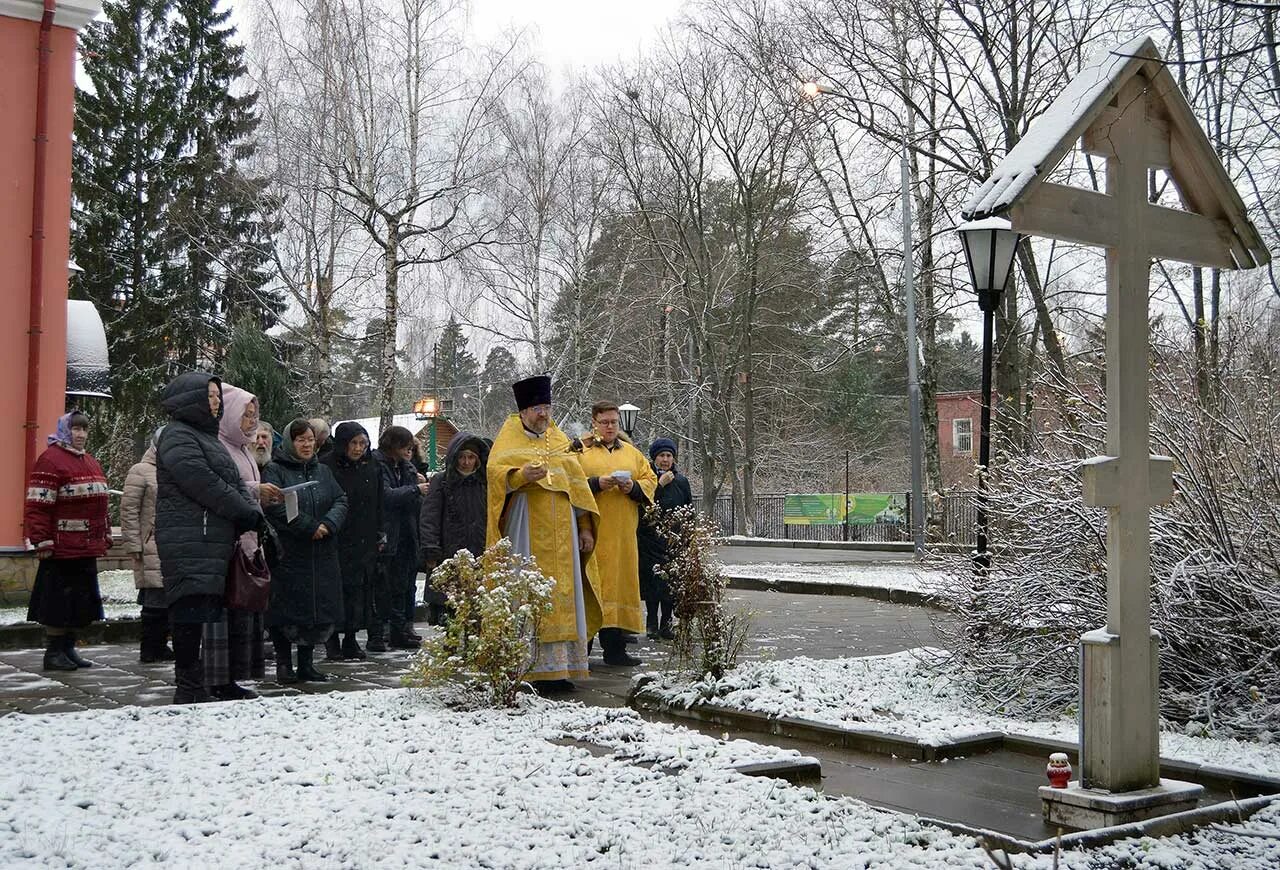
{"x":170,"y":232}
{"x":455,"y":369}
{"x":253,"y":364}
{"x":500,"y":371}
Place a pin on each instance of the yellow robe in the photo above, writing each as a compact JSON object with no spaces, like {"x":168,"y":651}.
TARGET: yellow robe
{"x":617,"y":554}
{"x":551,"y":502}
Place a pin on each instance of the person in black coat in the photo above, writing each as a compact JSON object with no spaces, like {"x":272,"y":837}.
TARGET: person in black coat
{"x":357,"y":472}
{"x":454,"y":512}
{"x":402,"y":489}
{"x":673,"y":492}
{"x":306,"y":585}
{"x":202,"y":508}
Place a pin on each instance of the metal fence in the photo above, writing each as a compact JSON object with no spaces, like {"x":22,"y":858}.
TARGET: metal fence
{"x":953,"y":522}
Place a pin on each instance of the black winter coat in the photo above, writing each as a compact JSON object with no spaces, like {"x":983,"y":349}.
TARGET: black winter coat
{"x":362,"y":483}
{"x":653,"y":549}
{"x":400,"y":505}
{"x":202,"y":506}
{"x":306,"y":587}
{"x":455,"y":509}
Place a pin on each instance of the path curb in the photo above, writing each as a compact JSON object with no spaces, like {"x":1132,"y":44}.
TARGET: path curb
{"x":909,"y":597}
{"x":1243,"y":784}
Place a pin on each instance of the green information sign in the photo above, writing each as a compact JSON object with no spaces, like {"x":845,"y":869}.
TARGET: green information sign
{"x":828,"y":509}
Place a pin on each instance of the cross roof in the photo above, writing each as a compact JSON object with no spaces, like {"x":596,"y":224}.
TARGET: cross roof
{"x":1201,"y":179}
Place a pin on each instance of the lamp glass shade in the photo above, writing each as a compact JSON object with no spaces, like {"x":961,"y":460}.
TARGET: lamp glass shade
{"x":989,"y":247}
{"x":628,"y":412}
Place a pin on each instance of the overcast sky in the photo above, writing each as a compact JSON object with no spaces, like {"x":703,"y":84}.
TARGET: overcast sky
{"x":576,"y":33}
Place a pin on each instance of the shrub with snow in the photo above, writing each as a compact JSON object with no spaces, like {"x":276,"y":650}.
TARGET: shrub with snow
{"x":709,"y":639}
{"x":498,"y":603}
{"x":1215,"y":562}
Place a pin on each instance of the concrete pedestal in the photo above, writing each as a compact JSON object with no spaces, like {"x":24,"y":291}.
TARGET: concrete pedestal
{"x":1084,"y":809}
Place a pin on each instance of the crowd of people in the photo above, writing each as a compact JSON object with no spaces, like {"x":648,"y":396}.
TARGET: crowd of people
{"x":345,"y":529}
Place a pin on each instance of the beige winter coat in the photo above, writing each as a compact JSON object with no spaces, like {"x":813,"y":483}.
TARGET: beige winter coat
{"x":138,"y":521}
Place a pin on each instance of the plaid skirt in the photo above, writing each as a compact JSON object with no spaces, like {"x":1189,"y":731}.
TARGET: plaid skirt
{"x":232,"y":648}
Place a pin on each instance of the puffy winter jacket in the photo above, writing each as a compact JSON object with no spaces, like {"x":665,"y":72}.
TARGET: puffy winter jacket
{"x":306,"y":587}
{"x":455,"y":508}
{"x":202,"y":506}
{"x":138,"y":521}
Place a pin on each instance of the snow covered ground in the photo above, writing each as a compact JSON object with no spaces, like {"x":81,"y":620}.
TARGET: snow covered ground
{"x":895,"y":576}
{"x":899,"y":694}
{"x":119,"y":598}
{"x":394,"y":779}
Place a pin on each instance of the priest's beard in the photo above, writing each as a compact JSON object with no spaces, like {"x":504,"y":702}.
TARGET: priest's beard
{"x":261,"y":455}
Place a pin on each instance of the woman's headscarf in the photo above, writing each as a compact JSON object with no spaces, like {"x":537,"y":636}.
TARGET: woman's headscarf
{"x":62,"y":432}
{"x":234,"y":401}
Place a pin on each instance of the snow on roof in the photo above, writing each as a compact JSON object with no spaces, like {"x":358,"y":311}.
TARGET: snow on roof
{"x":1057,"y":130}
{"x":371,"y":424}
{"x":88,"y":368}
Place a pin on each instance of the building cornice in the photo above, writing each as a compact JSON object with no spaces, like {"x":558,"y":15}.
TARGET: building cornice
{"x":74,"y":14}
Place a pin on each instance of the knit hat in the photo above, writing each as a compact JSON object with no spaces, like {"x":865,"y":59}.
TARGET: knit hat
{"x":661,"y":445}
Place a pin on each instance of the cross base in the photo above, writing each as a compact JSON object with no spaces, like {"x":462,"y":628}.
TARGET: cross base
{"x":1085,"y":809}
{"x":1119,"y":713}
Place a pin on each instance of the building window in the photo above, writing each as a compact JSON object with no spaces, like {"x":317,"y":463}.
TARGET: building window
{"x":962,"y":436}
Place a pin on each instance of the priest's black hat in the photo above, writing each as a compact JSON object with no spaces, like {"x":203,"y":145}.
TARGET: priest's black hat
{"x":532,"y":391}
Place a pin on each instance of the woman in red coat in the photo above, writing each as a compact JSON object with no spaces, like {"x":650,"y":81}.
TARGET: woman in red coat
{"x":66,"y":521}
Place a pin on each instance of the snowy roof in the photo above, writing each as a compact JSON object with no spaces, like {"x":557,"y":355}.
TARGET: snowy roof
{"x":1055,"y":132}
{"x":88,"y":367}
{"x":1200,"y":177}
{"x":373,"y":427}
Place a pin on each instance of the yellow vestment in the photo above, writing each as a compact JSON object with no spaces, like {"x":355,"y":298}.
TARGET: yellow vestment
{"x":551,"y":503}
{"x":617,"y":554}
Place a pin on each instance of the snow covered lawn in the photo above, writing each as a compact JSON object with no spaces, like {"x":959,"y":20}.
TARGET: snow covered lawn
{"x":898,"y":576}
{"x":899,"y":694}
{"x":119,"y":599}
{"x":394,"y":779}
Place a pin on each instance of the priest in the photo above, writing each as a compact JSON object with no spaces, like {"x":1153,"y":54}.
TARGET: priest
{"x":623,"y":483}
{"x":540,"y":500}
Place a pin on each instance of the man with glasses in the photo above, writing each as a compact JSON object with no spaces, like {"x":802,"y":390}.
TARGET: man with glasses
{"x":539,"y":499}
{"x":623,"y":484}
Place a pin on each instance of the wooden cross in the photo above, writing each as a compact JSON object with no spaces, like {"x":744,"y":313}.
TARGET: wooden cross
{"x":1125,"y":108}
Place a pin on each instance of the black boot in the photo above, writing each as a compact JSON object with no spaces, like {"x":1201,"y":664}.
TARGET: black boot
{"x":55,"y":654}
{"x":651,"y":620}
{"x":615,"y":649}
{"x":665,"y":631}
{"x":232,"y":692}
{"x":307,"y":672}
{"x":376,"y":642}
{"x":154,"y":647}
{"x":69,"y":641}
{"x":188,"y":670}
{"x":435,"y":614}
{"x":333,"y":648}
{"x":402,"y":638}
{"x":351,"y":648}
{"x":285,"y":675}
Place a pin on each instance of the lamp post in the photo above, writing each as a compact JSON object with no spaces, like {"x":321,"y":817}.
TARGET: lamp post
{"x":989,"y":246}
{"x":628,"y":412}
{"x":428,"y":408}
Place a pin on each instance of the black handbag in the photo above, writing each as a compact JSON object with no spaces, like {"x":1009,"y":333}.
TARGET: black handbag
{"x":248,"y":581}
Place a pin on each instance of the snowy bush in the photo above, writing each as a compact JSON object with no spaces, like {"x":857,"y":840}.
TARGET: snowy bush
{"x":709,"y":639}
{"x":498,"y":603}
{"x":1215,"y":555}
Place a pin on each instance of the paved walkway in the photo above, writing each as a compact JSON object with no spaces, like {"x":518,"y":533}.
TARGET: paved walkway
{"x":783,"y":626}
{"x":994,"y":791}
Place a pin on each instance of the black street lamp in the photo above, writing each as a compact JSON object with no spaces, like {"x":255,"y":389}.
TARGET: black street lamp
{"x":628,"y":412}
{"x":989,"y":246}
